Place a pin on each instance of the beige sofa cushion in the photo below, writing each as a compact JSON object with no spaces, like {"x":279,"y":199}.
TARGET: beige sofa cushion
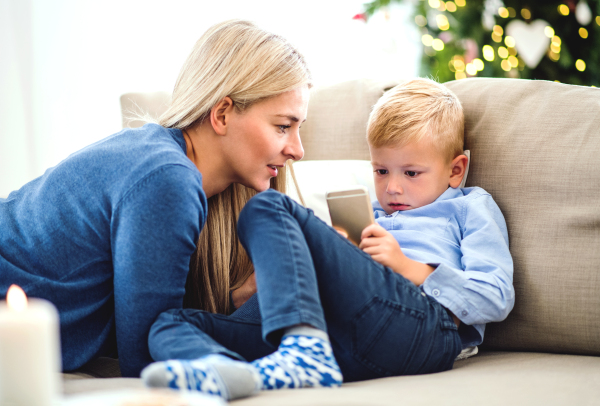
{"x":490,"y":379}
{"x":536,"y":149}
{"x":336,"y":125}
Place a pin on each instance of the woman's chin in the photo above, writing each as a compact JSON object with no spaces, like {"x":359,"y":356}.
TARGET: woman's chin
{"x":259,"y":186}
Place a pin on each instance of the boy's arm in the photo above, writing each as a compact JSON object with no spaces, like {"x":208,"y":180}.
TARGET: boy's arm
{"x":482,"y":291}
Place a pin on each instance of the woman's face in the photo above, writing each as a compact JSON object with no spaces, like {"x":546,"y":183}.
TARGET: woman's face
{"x":266,"y":135}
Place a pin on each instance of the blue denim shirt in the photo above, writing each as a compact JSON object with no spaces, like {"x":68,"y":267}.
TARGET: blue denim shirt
{"x":107,"y":236}
{"x":463,"y":235}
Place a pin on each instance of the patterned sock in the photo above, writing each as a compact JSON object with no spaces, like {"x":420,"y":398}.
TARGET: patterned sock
{"x":212,"y":374}
{"x":299,"y":362}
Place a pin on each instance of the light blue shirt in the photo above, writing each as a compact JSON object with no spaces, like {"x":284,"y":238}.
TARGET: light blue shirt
{"x":463,"y":235}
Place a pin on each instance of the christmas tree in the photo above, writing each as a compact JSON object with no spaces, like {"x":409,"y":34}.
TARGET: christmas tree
{"x":535,"y":39}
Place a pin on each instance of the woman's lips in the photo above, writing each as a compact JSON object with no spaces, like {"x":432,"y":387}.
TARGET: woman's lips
{"x":272,"y":170}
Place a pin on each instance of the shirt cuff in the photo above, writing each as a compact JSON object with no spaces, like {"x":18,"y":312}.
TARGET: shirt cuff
{"x":445,"y":285}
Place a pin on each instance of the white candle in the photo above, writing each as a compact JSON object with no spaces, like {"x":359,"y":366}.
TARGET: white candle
{"x":29,"y":351}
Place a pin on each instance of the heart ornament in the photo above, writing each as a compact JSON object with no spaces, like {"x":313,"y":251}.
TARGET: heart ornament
{"x":530,"y":40}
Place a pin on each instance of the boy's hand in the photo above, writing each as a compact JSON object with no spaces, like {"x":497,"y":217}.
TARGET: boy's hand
{"x":383,"y":248}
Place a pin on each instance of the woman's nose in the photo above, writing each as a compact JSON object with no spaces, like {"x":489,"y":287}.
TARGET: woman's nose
{"x":293,"y":149}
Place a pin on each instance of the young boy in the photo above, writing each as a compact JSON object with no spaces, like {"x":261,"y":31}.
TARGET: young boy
{"x":420,"y":288}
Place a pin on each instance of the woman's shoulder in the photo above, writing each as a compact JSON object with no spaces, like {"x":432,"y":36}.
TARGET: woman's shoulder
{"x":134,"y":153}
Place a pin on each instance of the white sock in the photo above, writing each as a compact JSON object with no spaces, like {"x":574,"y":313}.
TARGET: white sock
{"x":211,"y":374}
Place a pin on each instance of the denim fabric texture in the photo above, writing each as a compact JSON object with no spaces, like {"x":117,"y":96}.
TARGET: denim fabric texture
{"x":463,"y":235}
{"x":380,"y":324}
{"x":107,"y":235}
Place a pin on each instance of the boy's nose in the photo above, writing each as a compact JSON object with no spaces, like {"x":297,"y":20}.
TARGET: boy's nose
{"x":394,"y":188}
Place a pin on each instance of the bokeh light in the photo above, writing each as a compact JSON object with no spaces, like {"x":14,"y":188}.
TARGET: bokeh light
{"x":563,"y":9}
{"x":488,"y":53}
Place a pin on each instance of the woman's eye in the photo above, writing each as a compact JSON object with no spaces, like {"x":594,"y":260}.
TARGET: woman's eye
{"x":411,"y":174}
{"x":381,"y":171}
{"x":283,"y":128}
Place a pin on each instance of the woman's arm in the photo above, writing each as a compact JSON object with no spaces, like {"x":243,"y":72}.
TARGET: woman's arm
{"x":154,"y":230}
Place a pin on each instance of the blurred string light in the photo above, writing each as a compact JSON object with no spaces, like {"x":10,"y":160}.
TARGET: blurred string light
{"x":488,"y":53}
{"x":442,"y":22}
{"x":438,"y":21}
{"x":427,"y":40}
{"x":509,"y":41}
{"x":437,"y":44}
{"x":563,"y":9}
{"x":420,"y":20}
{"x":497,"y":32}
{"x":502,"y":52}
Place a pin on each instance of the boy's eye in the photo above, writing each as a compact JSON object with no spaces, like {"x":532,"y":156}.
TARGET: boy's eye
{"x":411,"y":174}
{"x":381,"y":171}
{"x":283,"y":128}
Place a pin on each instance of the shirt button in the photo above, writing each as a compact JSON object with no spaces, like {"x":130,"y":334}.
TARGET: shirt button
{"x":423,"y":294}
{"x":464,"y":313}
{"x":436,"y":292}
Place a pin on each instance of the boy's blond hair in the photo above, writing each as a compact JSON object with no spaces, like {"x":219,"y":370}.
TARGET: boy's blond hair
{"x":415,"y":110}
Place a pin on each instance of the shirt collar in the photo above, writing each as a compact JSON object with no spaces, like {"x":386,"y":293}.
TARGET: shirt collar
{"x":450,"y":193}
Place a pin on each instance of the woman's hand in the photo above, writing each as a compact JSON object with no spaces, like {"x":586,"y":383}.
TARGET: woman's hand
{"x":341,"y":232}
{"x":383,"y":248}
{"x":244,"y":292}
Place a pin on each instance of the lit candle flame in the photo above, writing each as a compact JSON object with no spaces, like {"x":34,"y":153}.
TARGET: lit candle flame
{"x":16,"y":298}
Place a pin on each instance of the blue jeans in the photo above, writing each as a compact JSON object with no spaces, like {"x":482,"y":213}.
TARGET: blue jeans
{"x":379,"y":323}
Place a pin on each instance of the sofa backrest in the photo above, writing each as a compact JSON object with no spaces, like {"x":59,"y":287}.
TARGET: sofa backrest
{"x":535,"y":147}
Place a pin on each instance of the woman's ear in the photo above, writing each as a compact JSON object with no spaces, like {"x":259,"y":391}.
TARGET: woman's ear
{"x":459,"y":166}
{"x":220,"y":115}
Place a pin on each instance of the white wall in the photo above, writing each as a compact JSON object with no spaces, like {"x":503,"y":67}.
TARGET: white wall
{"x":64,"y":63}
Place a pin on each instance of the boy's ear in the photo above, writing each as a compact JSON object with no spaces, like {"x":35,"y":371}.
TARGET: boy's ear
{"x":459,"y":166}
{"x":219,"y":115}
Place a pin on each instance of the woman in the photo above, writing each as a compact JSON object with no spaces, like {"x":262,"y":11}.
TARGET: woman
{"x":107,"y":234}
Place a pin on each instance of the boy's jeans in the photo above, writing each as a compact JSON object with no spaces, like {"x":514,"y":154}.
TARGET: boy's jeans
{"x":380,"y":324}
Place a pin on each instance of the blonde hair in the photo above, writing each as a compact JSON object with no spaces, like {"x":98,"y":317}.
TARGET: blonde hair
{"x":237,"y":59}
{"x":415,"y":110}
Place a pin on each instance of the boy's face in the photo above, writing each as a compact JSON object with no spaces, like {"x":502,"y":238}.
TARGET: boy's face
{"x":411,"y":176}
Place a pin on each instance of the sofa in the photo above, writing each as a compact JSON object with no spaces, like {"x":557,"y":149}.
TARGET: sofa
{"x":535,"y":146}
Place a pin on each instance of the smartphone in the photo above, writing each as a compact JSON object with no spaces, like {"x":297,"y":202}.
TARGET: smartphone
{"x":350,"y":209}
